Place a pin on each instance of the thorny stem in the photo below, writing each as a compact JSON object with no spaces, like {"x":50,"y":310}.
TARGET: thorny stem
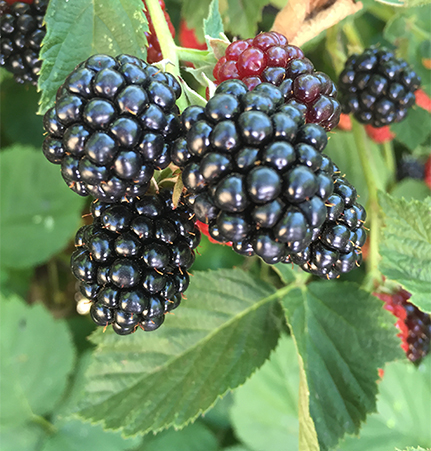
{"x":167,"y":44}
{"x":366,"y":157}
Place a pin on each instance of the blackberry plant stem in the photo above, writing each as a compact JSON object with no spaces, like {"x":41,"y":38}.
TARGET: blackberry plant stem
{"x":388,"y":154}
{"x":335,"y":48}
{"x":374,"y":276}
{"x":48,"y":427}
{"x":167,"y":43}
{"x":353,"y":37}
{"x":195,"y":56}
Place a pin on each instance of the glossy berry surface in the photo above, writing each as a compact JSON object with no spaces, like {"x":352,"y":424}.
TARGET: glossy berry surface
{"x":269,"y":58}
{"x":154,"y":54}
{"x":256,"y":176}
{"x":22,"y":32}
{"x":413,"y":324}
{"x":377,"y":88}
{"x":112,"y":125}
{"x":132,"y":261}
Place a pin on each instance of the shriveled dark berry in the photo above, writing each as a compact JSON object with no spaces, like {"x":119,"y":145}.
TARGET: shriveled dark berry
{"x":132,"y":262}
{"x":113,"y":124}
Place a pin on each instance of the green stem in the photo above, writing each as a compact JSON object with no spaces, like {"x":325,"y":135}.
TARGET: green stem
{"x":353,"y":36}
{"x":382,"y":12}
{"x":366,"y":157}
{"x":195,"y":56}
{"x":167,"y":43}
{"x":48,"y":427}
{"x":334,"y":48}
{"x":389,"y":156}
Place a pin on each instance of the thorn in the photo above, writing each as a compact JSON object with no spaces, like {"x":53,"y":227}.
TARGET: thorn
{"x":366,"y":228}
{"x":183,"y":296}
{"x":190,"y":274}
{"x":106,"y":326}
{"x":86,"y":215}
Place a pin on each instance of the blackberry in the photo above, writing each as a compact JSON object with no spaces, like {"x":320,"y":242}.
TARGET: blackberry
{"x":22,"y":32}
{"x":269,"y":58}
{"x":154,"y":54}
{"x":377,"y":88}
{"x":255,"y":173}
{"x":132,"y":262}
{"x":414,"y":325}
{"x":112,"y":124}
{"x":410,"y":167}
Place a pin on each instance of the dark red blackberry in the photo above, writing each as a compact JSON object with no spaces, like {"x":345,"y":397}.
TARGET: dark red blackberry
{"x":269,"y":58}
{"x":154,"y":54}
{"x":132,"y":262}
{"x":22,"y":32}
{"x":377,"y":88}
{"x":112,"y":124}
{"x":414,"y":325}
{"x":256,"y":174}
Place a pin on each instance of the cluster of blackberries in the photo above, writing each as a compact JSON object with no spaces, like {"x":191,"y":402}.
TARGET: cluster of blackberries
{"x":377,"y":87}
{"x":256,"y":174}
{"x":154,"y":53}
{"x":22,"y":33}
{"x":113,"y":123}
{"x":132,"y":261}
{"x":414,"y":325}
{"x":269,"y":58}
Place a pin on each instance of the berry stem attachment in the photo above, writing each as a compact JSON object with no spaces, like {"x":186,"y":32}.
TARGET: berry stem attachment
{"x":374,"y":277}
{"x":167,"y":43}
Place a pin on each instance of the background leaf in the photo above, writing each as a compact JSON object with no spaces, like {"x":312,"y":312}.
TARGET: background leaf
{"x":403,"y":406}
{"x":343,"y":336}
{"x":213,"y":24}
{"x":265,"y":410}
{"x":406,"y":247}
{"x":37,"y":209}
{"x":411,"y":131}
{"x":220,"y":335}
{"x":243,"y":17}
{"x":80,"y":28}
{"x":33,"y":370}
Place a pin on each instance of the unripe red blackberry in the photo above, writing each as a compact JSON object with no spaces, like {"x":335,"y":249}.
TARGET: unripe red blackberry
{"x":414,"y":325}
{"x":132,"y":262}
{"x":22,"y":32}
{"x":154,"y":53}
{"x":256,"y":174}
{"x":113,"y":123}
{"x":269,"y":58}
{"x":377,"y":88}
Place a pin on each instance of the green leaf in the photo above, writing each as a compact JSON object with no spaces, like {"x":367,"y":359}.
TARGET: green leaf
{"x":15,"y":281}
{"x":223,"y":331}
{"x":411,"y":189}
{"x":341,"y":149}
{"x":411,"y":3}
{"x":194,"y":437}
{"x":77,"y":436}
{"x":406,"y":247}
{"x":265,"y":410}
{"x":244,"y":16}
{"x":80,"y":28}
{"x":195,"y":13}
{"x":213,"y":24}
{"x":34,"y":371}
{"x":19,"y":104}
{"x":343,"y":336}
{"x":393,"y":2}
{"x":39,"y":213}
{"x":403,"y":405}
{"x":411,"y":130}
{"x":25,"y":437}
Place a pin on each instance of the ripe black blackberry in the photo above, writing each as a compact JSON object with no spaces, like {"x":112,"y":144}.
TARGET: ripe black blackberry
{"x":113,"y":123}
{"x":255,"y":173}
{"x":377,"y":88}
{"x":410,"y":167}
{"x":21,"y":35}
{"x":269,"y":58}
{"x":132,"y":261}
